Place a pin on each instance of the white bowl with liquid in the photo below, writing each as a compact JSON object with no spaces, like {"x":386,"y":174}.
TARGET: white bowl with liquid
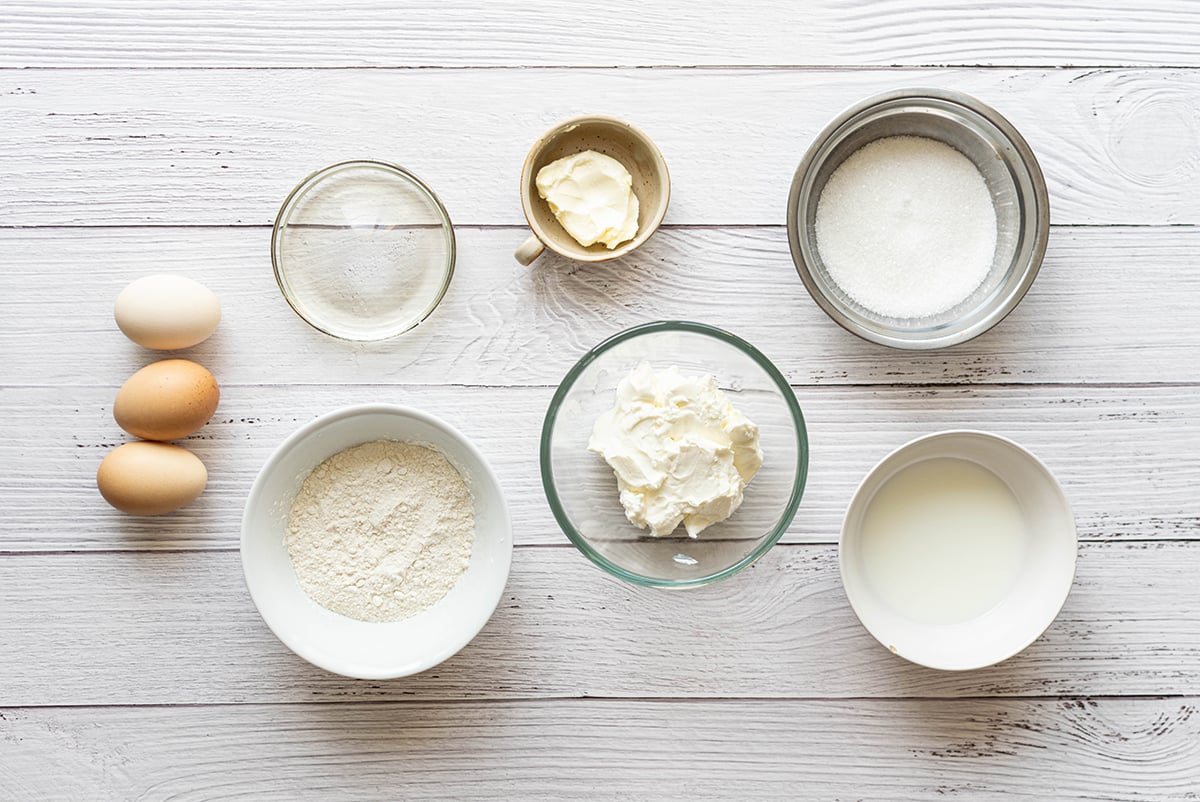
{"x":958,"y":550}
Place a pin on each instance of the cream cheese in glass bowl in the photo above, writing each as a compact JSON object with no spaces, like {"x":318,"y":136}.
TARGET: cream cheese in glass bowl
{"x":583,"y":492}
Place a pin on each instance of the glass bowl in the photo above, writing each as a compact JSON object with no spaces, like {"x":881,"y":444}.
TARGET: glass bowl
{"x":1013,"y":178}
{"x":363,"y":250}
{"x":582,"y":490}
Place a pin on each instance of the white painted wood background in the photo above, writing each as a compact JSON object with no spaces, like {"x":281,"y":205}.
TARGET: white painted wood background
{"x":138,"y":136}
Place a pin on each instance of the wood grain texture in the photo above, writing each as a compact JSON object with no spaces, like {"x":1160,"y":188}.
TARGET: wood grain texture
{"x":1111,"y":305}
{"x":179,"y":628}
{"x":224,"y":147}
{"x":154,"y":136}
{"x":1128,"y":458}
{"x":509,"y":32}
{"x":1112,"y":749}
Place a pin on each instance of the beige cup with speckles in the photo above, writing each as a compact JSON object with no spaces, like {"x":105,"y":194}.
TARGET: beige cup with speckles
{"x":612,"y":137}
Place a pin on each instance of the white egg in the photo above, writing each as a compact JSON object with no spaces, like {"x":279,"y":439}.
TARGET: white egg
{"x":166,"y":312}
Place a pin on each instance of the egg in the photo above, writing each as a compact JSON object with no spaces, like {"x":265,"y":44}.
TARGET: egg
{"x":165,"y":312}
{"x":150,"y":478}
{"x":166,"y":400}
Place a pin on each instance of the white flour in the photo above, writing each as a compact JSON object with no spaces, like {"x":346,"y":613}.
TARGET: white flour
{"x":381,"y":531}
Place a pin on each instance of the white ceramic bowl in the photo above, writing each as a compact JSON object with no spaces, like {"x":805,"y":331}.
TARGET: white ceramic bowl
{"x":960,"y":623}
{"x":333,"y":641}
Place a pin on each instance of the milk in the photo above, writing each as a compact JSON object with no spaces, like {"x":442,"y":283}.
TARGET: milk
{"x":943,"y":541}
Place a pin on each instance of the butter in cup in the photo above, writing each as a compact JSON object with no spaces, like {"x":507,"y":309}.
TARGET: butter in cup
{"x":611,"y":137}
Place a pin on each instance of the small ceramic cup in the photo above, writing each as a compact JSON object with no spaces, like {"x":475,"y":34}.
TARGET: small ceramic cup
{"x":612,"y":137}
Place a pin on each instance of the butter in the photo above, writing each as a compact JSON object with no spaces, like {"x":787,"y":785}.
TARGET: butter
{"x":680,"y":451}
{"x":592,"y":197}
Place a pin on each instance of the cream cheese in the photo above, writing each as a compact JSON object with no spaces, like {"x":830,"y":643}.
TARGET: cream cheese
{"x":592,"y":197}
{"x":679,"y":449}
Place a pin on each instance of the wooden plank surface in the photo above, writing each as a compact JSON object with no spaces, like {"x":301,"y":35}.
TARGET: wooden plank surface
{"x":1111,"y":305}
{"x":1111,"y":749}
{"x":1128,"y":458}
{"x":145,"y":136}
{"x":182,"y":624}
{"x":224,"y":147}
{"x":372,"y":33}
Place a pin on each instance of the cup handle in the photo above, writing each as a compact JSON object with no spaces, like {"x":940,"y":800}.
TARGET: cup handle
{"x":530,"y":249}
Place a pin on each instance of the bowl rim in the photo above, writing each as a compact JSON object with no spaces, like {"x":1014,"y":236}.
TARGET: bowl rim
{"x":1040,"y":203}
{"x":527,"y":199}
{"x":283,"y":217}
{"x":310,"y":428}
{"x":1054,"y":605}
{"x":547,"y":468}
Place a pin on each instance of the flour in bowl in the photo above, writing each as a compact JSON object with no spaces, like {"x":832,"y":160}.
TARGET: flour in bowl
{"x":381,"y":531}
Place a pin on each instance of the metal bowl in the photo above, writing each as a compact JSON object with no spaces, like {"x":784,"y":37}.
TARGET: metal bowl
{"x":1013,"y":178}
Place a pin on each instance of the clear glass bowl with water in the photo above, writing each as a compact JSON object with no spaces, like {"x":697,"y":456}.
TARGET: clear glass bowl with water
{"x":363,"y":250}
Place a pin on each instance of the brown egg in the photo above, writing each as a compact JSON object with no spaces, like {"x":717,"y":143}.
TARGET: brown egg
{"x":150,"y":478}
{"x":166,"y":400}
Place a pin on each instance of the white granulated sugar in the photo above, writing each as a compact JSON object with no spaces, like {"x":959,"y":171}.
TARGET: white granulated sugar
{"x":381,"y":531}
{"x":906,"y":227}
